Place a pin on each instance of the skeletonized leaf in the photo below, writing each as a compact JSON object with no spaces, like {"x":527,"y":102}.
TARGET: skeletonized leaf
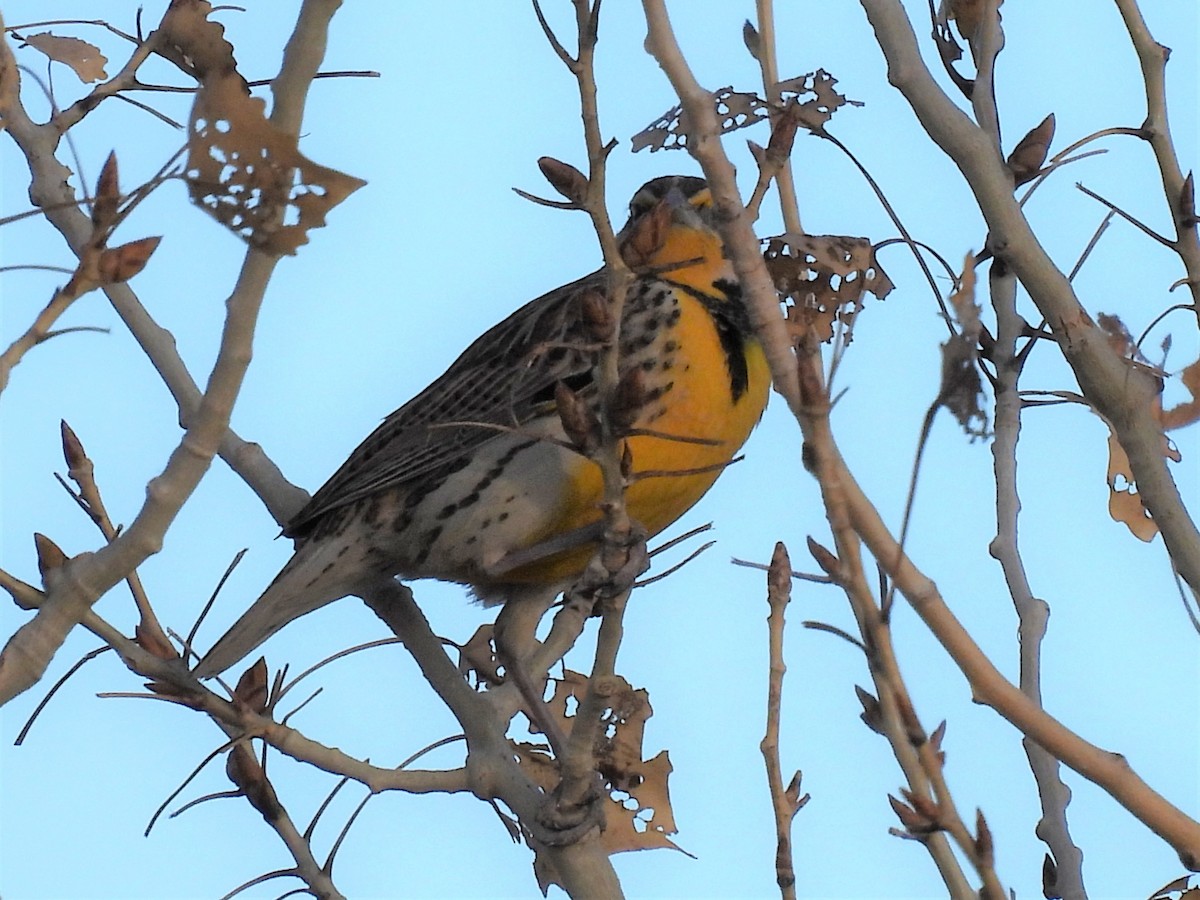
{"x":823,"y":278}
{"x":738,"y":109}
{"x":85,"y":59}
{"x":249,"y":175}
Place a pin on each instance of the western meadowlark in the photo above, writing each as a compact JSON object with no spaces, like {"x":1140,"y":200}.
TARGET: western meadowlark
{"x":474,"y":479}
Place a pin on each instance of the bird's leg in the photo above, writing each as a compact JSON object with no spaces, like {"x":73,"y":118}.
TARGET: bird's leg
{"x":516,"y":642}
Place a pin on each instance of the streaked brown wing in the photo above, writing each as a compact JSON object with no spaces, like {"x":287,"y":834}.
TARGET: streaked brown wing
{"x":506,"y":377}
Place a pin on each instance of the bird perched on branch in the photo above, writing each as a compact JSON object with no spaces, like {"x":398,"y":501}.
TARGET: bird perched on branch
{"x":484,"y":477}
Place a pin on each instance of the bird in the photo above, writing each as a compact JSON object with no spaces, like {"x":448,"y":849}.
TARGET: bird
{"x":475,"y":480}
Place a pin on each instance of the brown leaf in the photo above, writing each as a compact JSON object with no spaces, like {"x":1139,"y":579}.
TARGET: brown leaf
{"x":961,"y":390}
{"x":963,"y":302}
{"x":478,"y":655}
{"x":638,"y":815}
{"x":85,"y":59}
{"x":119,"y":264}
{"x":1189,"y":411}
{"x":250,"y":176}
{"x":824,"y":278}
{"x":251,"y":688}
{"x":968,"y":14}
{"x":738,"y":109}
{"x":1030,"y":153}
{"x":192,"y":41}
{"x":1124,"y":505}
{"x":812,"y":114}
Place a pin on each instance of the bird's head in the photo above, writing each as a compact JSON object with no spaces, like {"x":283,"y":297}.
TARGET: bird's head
{"x":672,"y":233}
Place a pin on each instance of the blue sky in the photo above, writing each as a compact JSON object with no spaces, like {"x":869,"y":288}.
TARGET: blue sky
{"x":437,"y":248}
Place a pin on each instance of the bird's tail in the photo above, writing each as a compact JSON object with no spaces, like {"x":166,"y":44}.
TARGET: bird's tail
{"x":312,"y":578}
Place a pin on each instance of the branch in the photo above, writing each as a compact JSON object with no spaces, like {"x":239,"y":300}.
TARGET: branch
{"x":1157,"y":130}
{"x":737,"y":232}
{"x":1032,"y":612}
{"x":1120,"y":394}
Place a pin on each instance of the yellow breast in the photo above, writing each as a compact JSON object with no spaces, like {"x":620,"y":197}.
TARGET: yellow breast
{"x":699,"y":404}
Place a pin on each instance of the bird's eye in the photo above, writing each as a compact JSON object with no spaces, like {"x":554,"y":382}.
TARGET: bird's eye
{"x":641,"y":204}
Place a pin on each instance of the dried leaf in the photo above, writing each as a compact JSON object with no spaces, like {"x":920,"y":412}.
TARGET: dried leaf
{"x":961,"y":390}
{"x":1124,"y":504}
{"x":249,"y":175}
{"x":1189,"y":411}
{"x":963,"y":302}
{"x":737,"y":109}
{"x":823,"y":277}
{"x":812,"y":114}
{"x":1030,"y":153}
{"x":968,"y":14}
{"x":192,"y":41}
{"x":1181,"y":886}
{"x":85,"y":59}
{"x":639,"y":815}
{"x":122,"y":263}
{"x":478,"y":655}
